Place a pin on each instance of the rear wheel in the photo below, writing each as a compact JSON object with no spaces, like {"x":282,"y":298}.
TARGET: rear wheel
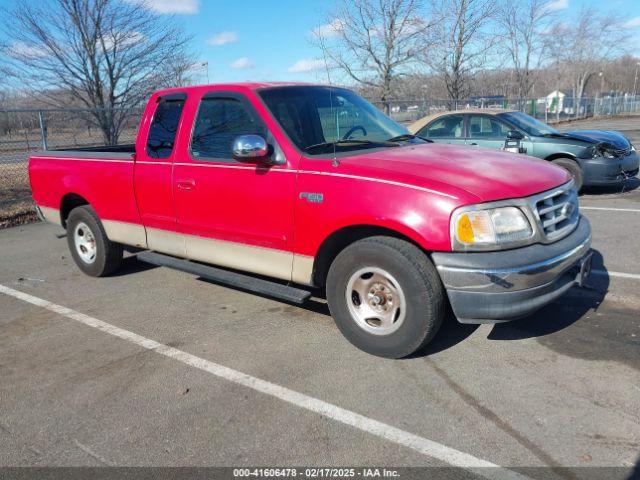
{"x":385,"y":296}
{"x":573,"y":168}
{"x":90,"y":248}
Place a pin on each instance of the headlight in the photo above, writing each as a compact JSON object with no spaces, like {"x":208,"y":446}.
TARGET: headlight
{"x":494,"y":227}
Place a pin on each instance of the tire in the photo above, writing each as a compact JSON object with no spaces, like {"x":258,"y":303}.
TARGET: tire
{"x":573,"y":168}
{"x":90,"y":248}
{"x":418,"y":303}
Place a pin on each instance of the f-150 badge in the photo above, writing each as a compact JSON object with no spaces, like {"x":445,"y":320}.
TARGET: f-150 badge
{"x":312,"y":197}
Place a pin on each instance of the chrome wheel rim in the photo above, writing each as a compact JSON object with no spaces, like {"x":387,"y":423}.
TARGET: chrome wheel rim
{"x":376,"y":301}
{"x":85,"y":243}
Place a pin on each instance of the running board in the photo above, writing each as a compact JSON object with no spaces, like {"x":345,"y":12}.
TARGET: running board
{"x":233,"y":279}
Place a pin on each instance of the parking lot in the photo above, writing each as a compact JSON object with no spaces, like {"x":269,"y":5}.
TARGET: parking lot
{"x":156,"y":367}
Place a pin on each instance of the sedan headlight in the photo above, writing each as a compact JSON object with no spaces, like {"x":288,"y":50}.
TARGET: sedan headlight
{"x":492,"y":228}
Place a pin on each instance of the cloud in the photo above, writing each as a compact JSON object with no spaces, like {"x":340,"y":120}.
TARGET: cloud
{"x":242,"y":62}
{"x":331,"y":29}
{"x":223,"y":38}
{"x":188,"y":7}
{"x":306,"y":65}
{"x":128,"y":39}
{"x":26,"y":51}
{"x":556,"y":5}
{"x":633,"y":23}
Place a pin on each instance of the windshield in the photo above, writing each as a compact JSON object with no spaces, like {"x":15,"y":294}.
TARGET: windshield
{"x":320,"y":120}
{"x":529,"y":124}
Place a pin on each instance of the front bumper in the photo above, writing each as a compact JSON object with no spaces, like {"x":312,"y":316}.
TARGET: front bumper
{"x":600,"y":171}
{"x":490,"y":287}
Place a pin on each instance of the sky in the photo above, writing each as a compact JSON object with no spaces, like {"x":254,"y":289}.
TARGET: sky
{"x":271,"y":39}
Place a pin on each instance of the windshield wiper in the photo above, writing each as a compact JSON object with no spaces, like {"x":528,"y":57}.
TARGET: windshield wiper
{"x":350,"y":142}
{"x":407,"y":136}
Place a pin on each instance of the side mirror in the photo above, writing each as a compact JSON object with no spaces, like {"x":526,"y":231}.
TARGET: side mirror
{"x":515,"y":135}
{"x":250,"y":147}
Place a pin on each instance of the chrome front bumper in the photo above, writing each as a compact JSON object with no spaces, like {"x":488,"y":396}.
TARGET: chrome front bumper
{"x":488,"y":287}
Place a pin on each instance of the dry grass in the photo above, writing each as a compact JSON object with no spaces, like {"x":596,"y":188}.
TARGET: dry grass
{"x":16,"y":204}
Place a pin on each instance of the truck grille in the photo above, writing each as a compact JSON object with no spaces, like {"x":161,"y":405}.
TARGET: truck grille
{"x":558,"y":212}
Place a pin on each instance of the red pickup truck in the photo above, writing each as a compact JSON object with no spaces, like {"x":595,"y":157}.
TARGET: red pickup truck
{"x":284,"y":189}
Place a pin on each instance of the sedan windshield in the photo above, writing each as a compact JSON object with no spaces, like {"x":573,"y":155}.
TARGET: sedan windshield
{"x":529,"y":124}
{"x":321,"y":120}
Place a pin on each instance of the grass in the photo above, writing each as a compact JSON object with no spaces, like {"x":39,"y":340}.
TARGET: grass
{"x":16,"y":204}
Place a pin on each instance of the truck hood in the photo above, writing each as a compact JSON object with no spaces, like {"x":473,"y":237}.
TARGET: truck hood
{"x":614,"y":140}
{"x":485,"y":173}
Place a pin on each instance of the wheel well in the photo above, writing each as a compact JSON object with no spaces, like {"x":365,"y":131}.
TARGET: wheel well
{"x":556,"y":156}
{"x":339,"y":240}
{"x":69,"y":202}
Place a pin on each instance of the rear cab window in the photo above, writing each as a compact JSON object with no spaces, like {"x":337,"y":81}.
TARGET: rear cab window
{"x":164,"y":126}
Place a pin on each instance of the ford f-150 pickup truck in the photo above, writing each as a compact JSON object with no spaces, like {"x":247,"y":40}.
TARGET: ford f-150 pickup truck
{"x":284,"y":189}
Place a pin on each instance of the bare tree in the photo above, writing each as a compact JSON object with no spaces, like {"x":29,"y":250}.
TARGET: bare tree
{"x":374,"y":41}
{"x":106,"y":54}
{"x":582,"y":47}
{"x":461,"y":42}
{"x":524,"y":26}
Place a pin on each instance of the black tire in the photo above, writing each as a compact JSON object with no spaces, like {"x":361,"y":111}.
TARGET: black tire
{"x":108,"y":254}
{"x":573,"y":168}
{"x":418,"y":279}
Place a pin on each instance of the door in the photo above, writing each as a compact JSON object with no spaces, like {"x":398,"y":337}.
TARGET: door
{"x":486,"y":131}
{"x":152,"y":175}
{"x":235,"y":214}
{"x":445,"y":129}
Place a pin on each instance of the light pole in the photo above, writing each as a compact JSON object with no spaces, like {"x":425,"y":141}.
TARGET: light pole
{"x":635,"y":82}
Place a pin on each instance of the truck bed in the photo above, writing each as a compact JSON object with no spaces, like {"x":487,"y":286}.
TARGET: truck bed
{"x":100,"y":151}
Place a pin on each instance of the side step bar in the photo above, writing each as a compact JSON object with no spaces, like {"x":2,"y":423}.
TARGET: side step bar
{"x":233,"y":279}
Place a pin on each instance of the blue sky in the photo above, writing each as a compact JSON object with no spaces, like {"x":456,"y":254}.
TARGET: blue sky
{"x":270,"y":39}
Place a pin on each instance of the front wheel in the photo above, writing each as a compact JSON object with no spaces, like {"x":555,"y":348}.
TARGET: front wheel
{"x":573,"y":168}
{"x":90,"y":247}
{"x":385,"y":296}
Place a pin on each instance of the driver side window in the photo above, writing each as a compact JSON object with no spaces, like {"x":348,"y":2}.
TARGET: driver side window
{"x":218,"y":122}
{"x":482,"y":126}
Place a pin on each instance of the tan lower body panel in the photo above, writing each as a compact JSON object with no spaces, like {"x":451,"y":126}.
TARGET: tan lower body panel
{"x":124,"y":232}
{"x":263,"y":261}
{"x":51,"y":215}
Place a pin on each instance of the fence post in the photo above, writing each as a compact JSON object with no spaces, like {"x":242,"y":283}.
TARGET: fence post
{"x":43,"y":130}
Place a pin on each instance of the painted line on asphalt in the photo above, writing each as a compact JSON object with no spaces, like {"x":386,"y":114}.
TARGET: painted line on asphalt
{"x":611,"y":209}
{"x":382,"y":430}
{"x":635,"y":276}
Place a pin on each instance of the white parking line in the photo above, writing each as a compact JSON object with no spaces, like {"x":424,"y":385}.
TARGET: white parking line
{"x":417,"y":443}
{"x":635,"y":276}
{"x":611,"y":209}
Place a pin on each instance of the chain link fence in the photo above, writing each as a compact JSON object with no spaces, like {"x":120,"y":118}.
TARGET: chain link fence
{"x":25,"y":131}
{"x":551,"y":109}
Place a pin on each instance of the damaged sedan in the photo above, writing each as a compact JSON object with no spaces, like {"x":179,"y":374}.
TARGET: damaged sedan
{"x":593,"y":157}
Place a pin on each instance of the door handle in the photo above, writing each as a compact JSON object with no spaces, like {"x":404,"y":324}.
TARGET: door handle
{"x":474,"y":144}
{"x":187,"y":184}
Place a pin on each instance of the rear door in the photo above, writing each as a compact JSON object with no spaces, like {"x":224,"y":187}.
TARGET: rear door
{"x":445,"y":129}
{"x":152,"y":177}
{"x":234,"y":214}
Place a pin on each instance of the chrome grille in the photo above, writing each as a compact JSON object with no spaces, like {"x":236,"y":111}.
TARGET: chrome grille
{"x":558,"y":212}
